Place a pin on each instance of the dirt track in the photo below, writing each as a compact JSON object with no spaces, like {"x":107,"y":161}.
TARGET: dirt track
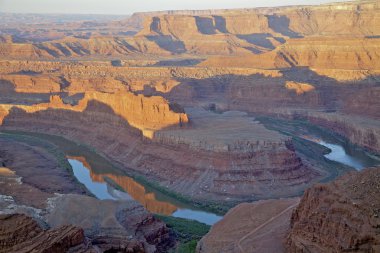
{"x":255,"y":227}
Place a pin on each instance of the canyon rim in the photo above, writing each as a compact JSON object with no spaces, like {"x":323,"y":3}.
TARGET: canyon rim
{"x":216,"y":130}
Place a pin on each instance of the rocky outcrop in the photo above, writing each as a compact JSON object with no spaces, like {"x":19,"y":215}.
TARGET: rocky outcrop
{"x":20,"y":233}
{"x":210,"y":32}
{"x":36,"y":173}
{"x":266,"y":28}
{"x":35,"y":184}
{"x":255,"y":163}
{"x":87,"y":70}
{"x":141,"y":112}
{"x":342,"y":216}
{"x":299,"y":88}
{"x":359,"y":130}
{"x":111,"y":225}
{"x":33,"y":84}
{"x":257,"y":91}
{"x":314,"y":52}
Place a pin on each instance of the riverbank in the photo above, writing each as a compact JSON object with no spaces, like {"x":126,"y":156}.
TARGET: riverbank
{"x":307,"y":150}
{"x":36,"y":170}
{"x":103,"y":165}
{"x":306,"y":136}
{"x":37,"y":181}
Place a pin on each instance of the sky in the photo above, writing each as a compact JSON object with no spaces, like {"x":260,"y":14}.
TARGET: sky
{"x":131,"y":6}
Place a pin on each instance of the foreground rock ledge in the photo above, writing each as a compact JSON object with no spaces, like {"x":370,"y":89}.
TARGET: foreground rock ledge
{"x":20,"y":233}
{"x":342,"y":216}
{"x":251,"y":227}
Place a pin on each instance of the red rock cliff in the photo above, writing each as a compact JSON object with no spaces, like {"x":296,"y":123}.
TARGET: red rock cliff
{"x":342,"y":216}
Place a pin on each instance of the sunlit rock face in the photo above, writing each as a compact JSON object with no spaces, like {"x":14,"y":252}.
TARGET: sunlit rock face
{"x":152,"y":113}
{"x":320,"y":53}
{"x":124,"y":95}
{"x":174,"y":98}
{"x":204,"y":159}
{"x":213,"y":32}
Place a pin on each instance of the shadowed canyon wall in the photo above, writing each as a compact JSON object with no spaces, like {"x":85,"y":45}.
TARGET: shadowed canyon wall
{"x":286,"y":62}
{"x":223,"y":32}
{"x":275,"y":92}
{"x":186,"y":168}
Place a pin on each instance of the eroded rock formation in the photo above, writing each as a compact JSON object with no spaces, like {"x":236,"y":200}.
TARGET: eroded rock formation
{"x":35,"y":184}
{"x":144,"y":113}
{"x":220,"y":32}
{"x":205,"y":159}
{"x":20,"y":233}
{"x":338,"y":217}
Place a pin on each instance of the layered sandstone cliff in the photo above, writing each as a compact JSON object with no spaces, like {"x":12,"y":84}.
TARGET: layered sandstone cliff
{"x":220,"y":32}
{"x":258,"y":91}
{"x":340,"y":216}
{"x":33,"y":182}
{"x":206,"y":159}
{"x":20,"y":233}
{"x":359,"y":130}
{"x":143,"y":113}
{"x":314,"y":52}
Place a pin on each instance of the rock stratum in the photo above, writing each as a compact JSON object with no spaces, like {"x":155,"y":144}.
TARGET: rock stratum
{"x":20,"y":233}
{"x":39,"y":198}
{"x":143,"y":113}
{"x":171,"y":98}
{"x":223,"y":32}
{"x":342,"y":216}
{"x":189,"y":159}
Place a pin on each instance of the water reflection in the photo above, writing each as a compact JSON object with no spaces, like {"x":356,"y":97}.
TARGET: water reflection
{"x":104,"y":186}
{"x":338,"y":154}
{"x":96,"y":184}
{"x":345,"y":154}
{"x":207,"y":218}
{"x":84,"y":176}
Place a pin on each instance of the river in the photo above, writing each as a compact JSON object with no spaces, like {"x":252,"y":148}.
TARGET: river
{"x":129,"y":189}
{"x":106,"y":181}
{"x":346,"y":153}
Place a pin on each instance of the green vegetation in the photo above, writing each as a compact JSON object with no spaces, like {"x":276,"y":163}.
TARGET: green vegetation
{"x":311,"y":151}
{"x":188,"y":232}
{"x":48,"y":147}
{"x":209,"y":206}
{"x":187,"y":247}
{"x":97,"y":158}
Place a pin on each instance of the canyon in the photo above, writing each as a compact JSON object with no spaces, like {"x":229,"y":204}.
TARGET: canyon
{"x":39,"y":194}
{"x":333,"y":217}
{"x":210,"y":107}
